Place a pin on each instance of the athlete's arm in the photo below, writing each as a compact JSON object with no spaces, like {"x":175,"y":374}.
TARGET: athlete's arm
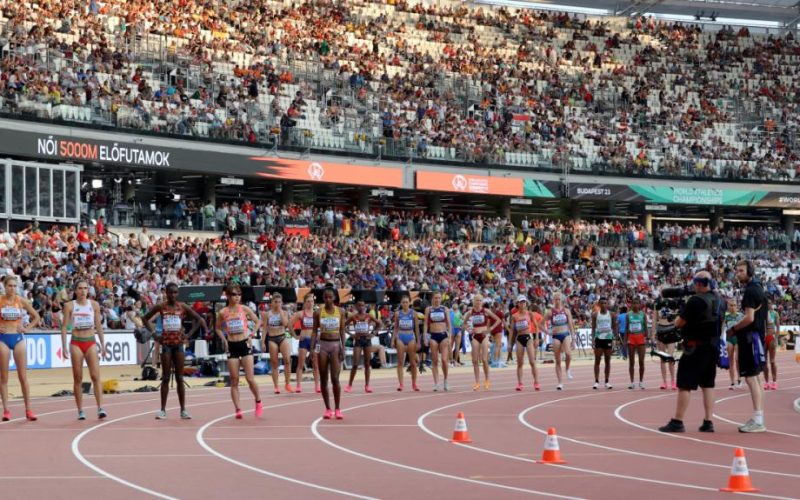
{"x":197,"y":320}
{"x":98,"y":327}
{"x":66,"y":321}
{"x":34,"y":316}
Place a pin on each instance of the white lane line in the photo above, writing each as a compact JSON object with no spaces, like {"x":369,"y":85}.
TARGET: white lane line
{"x":74,"y":410}
{"x":202,"y":442}
{"x":257,"y":438}
{"x":421,"y":423}
{"x":151,"y":455}
{"x":60,"y":478}
{"x":81,"y":458}
{"x":524,"y":422}
{"x":769,"y":431}
{"x":618,"y":415}
{"x":315,"y":431}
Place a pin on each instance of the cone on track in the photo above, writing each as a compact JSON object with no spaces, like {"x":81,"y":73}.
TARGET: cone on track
{"x":739,"y":481}
{"x":551,"y":454}
{"x":460,"y":433}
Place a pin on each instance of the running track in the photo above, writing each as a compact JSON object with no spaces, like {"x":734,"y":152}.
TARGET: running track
{"x":393,"y":444}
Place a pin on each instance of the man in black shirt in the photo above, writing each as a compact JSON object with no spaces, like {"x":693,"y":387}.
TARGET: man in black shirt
{"x":700,"y":327}
{"x":750,"y":332}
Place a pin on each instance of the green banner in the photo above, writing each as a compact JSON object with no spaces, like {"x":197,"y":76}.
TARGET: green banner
{"x":539,"y":189}
{"x":699,"y":196}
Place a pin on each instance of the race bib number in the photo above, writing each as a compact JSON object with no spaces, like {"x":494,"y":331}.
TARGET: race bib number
{"x":406,"y":324}
{"x":235,"y":326}
{"x":172,"y":323}
{"x":330,"y":324}
{"x":11,"y":313}
{"x":308,"y":322}
{"x":437,"y":316}
{"x":362,"y":327}
{"x":82,"y":322}
{"x":521,"y":325}
{"x":316,"y":348}
{"x":478,"y":319}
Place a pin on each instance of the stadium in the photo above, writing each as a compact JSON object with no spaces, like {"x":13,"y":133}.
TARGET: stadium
{"x":404,"y":214}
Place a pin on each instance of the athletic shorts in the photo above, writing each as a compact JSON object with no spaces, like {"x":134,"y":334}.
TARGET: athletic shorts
{"x":697,"y":367}
{"x":83,"y":343}
{"x":438,"y":337}
{"x":603,"y":343}
{"x":305,"y":343}
{"x":363,"y":342}
{"x":238,"y":349}
{"x":169,"y":349}
{"x":478,"y":337}
{"x":524,"y":339}
{"x":636,"y":339}
{"x":731,"y":339}
{"x":751,"y":354}
{"x":405,"y":338}
{"x":11,"y":339}
{"x":560,"y":337}
{"x":277,"y":339}
{"x":331,"y":348}
{"x":769,"y":340}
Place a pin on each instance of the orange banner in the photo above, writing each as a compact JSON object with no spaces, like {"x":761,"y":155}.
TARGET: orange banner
{"x":474,"y":184}
{"x":338,"y":173}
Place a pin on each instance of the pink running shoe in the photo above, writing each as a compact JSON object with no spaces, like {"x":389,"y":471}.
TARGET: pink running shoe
{"x":239,"y":415}
{"x":663,"y":387}
{"x":298,"y":389}
{"x":277,"y":390}
{"x":674,"y":386}
{"x":339,"y":415}
{"x":367,"y":388}
{"x":259,"y":408}
{"x":774,"y":386}
{"x":400,"y":388}
{"x":519,"y":387}
{"x":6,"y":416}
{"x":348,"y":388}
{"x":537,"y":387}
{"x":328,"y":414}
{"x":31,"y":416}
{"x":317,"y":389}
{"x":414,"y":386}
{"x":767,"y":386}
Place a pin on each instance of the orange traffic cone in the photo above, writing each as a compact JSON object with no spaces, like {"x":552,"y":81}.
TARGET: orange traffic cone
{"x":460,"y":433}
{"x":740,"y":476}
{"x":552,"y":454}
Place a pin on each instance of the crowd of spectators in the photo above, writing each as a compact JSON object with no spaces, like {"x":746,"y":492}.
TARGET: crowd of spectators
{"x":127,"y":275}
{"x":450,"y":80}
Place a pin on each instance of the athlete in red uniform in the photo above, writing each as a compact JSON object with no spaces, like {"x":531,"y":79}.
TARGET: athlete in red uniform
{"x":172,"y":341}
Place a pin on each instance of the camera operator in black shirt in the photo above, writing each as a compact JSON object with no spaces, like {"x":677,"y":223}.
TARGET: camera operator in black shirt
{"x":700,"y":323}
{"x":750,"y":333}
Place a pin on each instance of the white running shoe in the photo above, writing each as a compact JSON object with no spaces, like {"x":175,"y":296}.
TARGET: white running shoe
{"x":632,"y":386}
{"x":609,"y":386}
{"x":641,"y":385}
{"x":560,"y":387}
{"x":596,"y":385}
{"x":569,"y":374}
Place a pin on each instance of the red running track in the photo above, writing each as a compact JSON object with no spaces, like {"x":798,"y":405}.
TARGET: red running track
{"x":392,"y":444}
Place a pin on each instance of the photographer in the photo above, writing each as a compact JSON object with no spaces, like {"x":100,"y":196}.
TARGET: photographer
{"x":700,"y":325}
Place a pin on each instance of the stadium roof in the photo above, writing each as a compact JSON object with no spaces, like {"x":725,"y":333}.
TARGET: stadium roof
{"x":765,"y":13}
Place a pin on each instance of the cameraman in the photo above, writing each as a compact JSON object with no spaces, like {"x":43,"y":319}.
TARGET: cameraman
{"x":700,"y":325}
